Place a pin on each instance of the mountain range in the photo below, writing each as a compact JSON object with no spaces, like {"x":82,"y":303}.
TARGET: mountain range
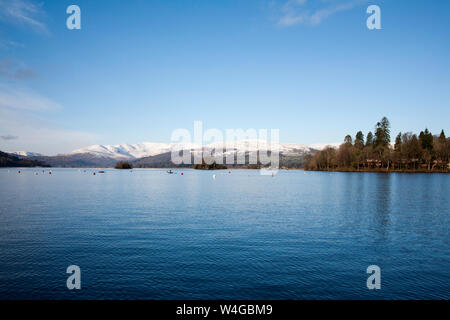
{"x":147,"y":149}
{"x":11,"y":160}
{"x":158,"y":155}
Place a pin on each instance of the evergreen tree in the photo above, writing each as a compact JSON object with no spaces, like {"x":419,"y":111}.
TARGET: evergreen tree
{"x":442,"y":147}
{"x":442,"y":137}
{"x":359,"y":140}
{"x":348,"y":139}
{"x":426,"y":139}
{"x":398,"y":143}
{"x":383,"y":133}
{"x":369,"y":139}
{"x":414,"y":149}
{"x":411,"y":152}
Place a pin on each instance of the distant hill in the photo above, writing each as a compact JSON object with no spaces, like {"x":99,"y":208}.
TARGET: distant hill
{"x":9,"y":160}
{"x":158,"y":155}
{"x":149,"y":149}
{"x":290,"y":161}
{"x":87,"y":160}
{"x":159,"y":161}
{"x":79,"y":160}
{"x":25,"y":154}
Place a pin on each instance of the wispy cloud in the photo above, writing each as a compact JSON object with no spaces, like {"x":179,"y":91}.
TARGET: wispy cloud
{"x":9,"y":44}
{"x":9,"y":137}
{"x":13,"y":70}
{"x":37,"y":134}
{"x":24,"y":99}
{"x":25,"y":13}
{"x":294,"y":12}
{"x":24,"y":124}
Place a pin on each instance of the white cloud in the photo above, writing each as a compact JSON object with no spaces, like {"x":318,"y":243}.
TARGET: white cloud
{"x":24,"y":99}
{"x":23,"y":124}
{"x":6,"y":44}
{"x":36,"y":134}
{"x":24,"y":13}
{"x":295,"y":12}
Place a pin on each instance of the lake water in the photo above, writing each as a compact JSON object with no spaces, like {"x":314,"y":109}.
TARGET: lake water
{"x":146,"y":234}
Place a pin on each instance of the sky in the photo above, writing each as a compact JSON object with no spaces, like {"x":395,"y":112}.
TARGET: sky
{"x":139,"y":69}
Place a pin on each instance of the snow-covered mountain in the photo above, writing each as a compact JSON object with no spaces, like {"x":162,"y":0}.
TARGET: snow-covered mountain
{"x":25,"y":154}
{"x":146,"y":149}
{"x":132,"y":151}
{"x":157,"y":155}
{"x":320,"y":146}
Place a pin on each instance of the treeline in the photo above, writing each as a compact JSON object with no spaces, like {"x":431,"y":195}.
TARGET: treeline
{"x":123,"y":165}
{"x":10,"y":160}
{"x":205,"y":166}
{"x":410,"y":152}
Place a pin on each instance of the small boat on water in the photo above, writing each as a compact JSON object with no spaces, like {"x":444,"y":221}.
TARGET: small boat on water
{"x":169,"y":171}
{"x":101,"y":171}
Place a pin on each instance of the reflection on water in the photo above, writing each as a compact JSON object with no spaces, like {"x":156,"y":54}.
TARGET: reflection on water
{"x":149,"y":235}
{"x":382,"y":194}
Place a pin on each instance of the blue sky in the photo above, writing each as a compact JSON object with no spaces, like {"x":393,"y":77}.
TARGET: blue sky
{"x":137,"y":70}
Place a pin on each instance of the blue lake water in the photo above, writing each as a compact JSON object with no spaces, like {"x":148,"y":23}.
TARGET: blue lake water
{"x":146,"y":234}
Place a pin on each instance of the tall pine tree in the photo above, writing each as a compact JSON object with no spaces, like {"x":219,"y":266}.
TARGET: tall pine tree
{"x":369,"y":139}
{"x":359,"y":140}
{"x":383,"y":133}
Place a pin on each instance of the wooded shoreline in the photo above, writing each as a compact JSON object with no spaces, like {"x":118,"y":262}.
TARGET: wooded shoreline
{"x":425,"y":153}
{"x":380,"y":170}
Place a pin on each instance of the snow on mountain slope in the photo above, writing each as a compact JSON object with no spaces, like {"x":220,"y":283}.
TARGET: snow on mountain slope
{"x":320,"y":146}
{"x":133,"y":151}
{"x":255,"y":145}
{"x":25,"y":153}
{"x":146,"y":149}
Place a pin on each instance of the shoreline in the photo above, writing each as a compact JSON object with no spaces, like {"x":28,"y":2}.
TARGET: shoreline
{"x":383,"y":170}
{"x":239,"y":168}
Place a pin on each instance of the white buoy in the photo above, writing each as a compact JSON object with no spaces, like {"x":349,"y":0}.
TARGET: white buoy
{"x":214,"y":176}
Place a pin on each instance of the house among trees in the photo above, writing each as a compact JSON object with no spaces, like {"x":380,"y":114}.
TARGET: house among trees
{"x":410,"y":152}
